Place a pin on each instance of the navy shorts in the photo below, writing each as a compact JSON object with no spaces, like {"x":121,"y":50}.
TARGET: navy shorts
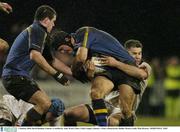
{"x":118,"y":77}
{"x":20,"y":87}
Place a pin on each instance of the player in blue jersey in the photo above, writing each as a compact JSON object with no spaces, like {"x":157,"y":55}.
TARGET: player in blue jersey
{"x":89,"y":43}
{"x":84,"y":112}
{"x":25,"y":52}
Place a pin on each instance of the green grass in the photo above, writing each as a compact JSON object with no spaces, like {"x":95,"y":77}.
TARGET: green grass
{"x":156,"y":121}
{"x":149,"y":121}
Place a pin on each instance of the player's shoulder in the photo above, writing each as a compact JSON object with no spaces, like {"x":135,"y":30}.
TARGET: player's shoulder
{"x":36,"y":27}
{"x":84,"y":29}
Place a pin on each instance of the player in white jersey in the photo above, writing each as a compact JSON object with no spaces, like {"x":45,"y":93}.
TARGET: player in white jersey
{"x":112,"y":100}
{"x":84,"y":113}
{"x":12,"y":111}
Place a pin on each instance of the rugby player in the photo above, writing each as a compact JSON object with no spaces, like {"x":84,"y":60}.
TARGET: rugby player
{"x":84,"y":112}
{"x":25,"y":52}
{"x":13,"y":111}
{"x":90,"y":42}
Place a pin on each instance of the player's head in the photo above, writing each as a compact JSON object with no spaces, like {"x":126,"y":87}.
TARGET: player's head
{"x":46,"y":15}
{"x":134,"y":47}
{"x":62,"y":46}
{"x":61,"y":41}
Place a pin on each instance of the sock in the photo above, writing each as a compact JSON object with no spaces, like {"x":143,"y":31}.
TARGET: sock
{"x":127,"y":121}
{"x":33,"y":118}
{"x":100,"y":112}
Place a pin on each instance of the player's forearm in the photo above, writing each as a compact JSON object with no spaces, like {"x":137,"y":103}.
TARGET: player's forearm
{"x":131,"y":70}
{"x":42,"y":63}
{"x":80,"y":58}
{"x":60,"y":66}
{"x":81,"y":54}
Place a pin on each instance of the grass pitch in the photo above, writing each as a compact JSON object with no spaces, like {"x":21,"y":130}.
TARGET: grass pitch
{"x":149,"y":121}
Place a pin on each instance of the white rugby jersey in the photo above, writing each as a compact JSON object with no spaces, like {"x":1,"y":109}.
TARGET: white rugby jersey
{"x":17,"y":108}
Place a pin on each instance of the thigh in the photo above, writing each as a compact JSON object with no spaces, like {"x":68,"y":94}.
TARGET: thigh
{"x":39,"y":98}
{"x":102,"y":85}
{"x":119,"y":78}
{"x":20,"y":87}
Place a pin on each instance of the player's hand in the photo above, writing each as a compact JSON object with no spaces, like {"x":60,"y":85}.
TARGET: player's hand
{"x":143,"y":66}
{"x":5,"y":7}
{"x":90,"y":67}
{"x":60,"y":77}
{"x":108,"y":60}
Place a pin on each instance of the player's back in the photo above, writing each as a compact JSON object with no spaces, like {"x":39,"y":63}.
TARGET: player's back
{"x":18,"y":60}
{"x":103,"y":43}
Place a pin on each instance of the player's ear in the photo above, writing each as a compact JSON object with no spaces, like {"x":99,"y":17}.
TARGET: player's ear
{"x":46,"y":21}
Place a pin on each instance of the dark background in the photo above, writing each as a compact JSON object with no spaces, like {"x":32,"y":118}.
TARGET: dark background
{"x":155,"y":23}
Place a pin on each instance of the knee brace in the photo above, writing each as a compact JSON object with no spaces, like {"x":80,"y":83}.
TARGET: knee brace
{"x":57,"y":107}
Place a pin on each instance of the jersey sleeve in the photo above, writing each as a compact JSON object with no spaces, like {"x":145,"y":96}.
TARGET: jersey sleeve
{"x":36,"y":38}
{"x":47,"y":53}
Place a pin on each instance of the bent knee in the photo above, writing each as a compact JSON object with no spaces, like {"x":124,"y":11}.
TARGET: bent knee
{"x":45,"y":106}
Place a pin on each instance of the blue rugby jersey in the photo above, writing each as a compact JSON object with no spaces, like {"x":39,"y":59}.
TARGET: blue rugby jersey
{"x":98,"y":41}
{"x":18,"y":60}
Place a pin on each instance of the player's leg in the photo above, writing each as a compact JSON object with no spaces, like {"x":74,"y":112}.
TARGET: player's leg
{"x":100,"y":87}
{"x":27,"y":89}
{"x":41,"y":105}
{"x":126,"y":101}
{"x":54,"y":112}
{"x":6,"y":116}
{"x":74,"y":114}
{"x":115,"y":119}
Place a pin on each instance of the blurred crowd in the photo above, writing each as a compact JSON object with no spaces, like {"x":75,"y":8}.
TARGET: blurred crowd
{"x":162,"y":96}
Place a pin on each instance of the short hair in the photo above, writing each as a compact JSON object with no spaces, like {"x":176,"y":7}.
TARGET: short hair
{"x":132,"y":43}
{"x":44,"y":11}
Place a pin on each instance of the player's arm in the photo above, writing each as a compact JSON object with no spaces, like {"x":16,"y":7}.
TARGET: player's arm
{"x":77,"y":68}
{"x":136,"y":72}
{"x":60,"y":66}
{"x":40,"y":60}
{"x":44,"y":65}
{"x":55,"y":62}
{"x":37,"y":37}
